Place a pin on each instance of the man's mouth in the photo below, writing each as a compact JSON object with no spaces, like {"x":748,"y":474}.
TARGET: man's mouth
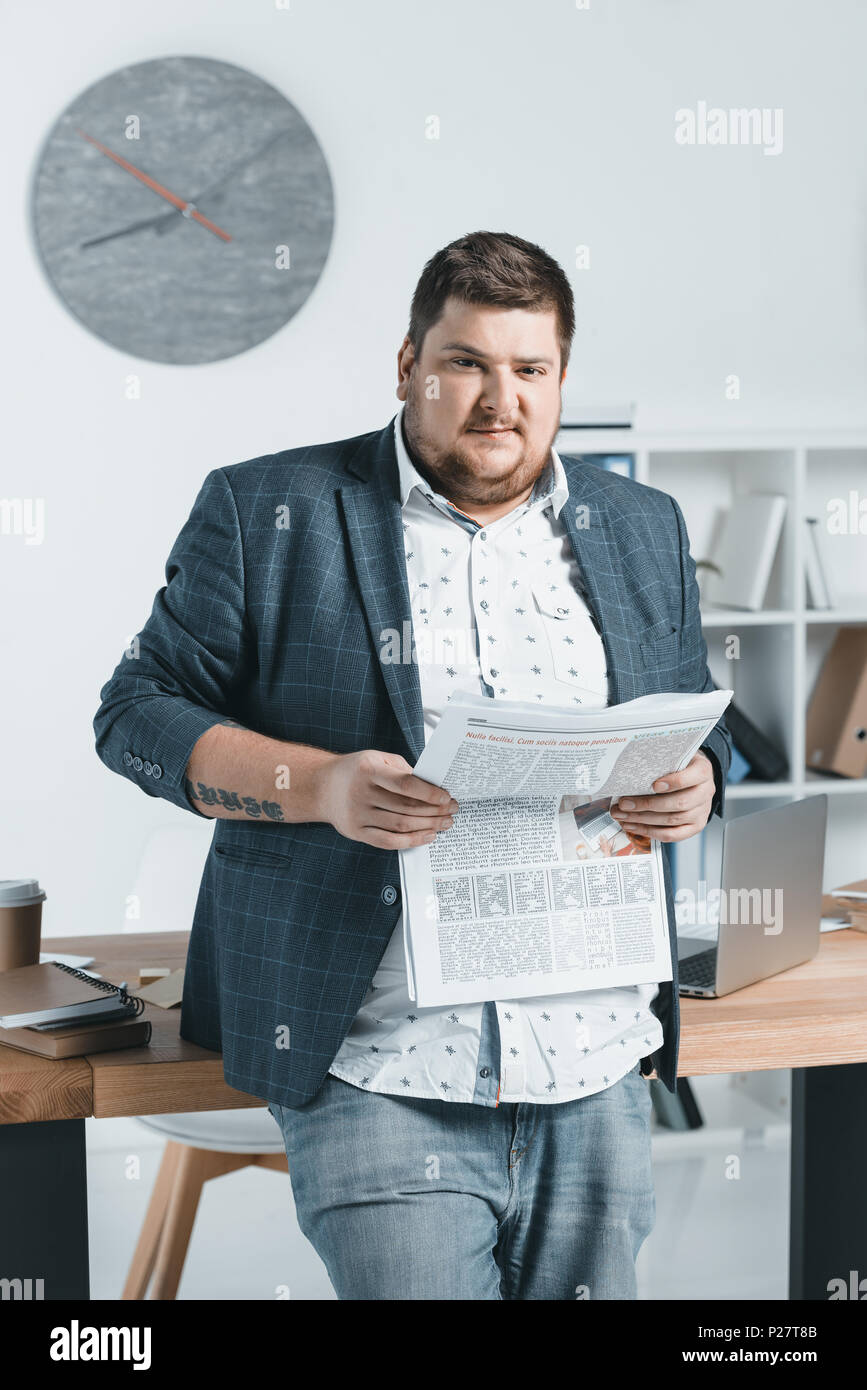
{"x":494,"y":433}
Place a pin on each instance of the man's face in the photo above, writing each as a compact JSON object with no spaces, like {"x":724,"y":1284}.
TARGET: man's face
{"x":484,"y":433}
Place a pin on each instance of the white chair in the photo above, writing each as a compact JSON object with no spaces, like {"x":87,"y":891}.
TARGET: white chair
{"x":200,"y":1145}
{"x":167,"y":877}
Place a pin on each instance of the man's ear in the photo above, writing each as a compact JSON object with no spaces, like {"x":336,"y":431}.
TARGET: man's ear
{"x":405,"y":363}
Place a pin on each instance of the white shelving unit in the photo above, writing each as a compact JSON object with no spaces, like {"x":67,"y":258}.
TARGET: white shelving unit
{"x":781,"y":648}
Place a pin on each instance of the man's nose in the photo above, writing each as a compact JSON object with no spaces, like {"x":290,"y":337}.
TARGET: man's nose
{"x":499,"y":395}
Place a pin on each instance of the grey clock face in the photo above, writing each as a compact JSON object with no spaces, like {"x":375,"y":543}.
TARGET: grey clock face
{"x":225,"y":242}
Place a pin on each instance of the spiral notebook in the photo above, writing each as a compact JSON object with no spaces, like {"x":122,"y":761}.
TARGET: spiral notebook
{"x":58,"y":1011}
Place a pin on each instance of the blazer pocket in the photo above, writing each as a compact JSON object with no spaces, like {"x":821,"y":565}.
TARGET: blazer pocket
{"x":241,"y":854}
{"x":659,"y":643}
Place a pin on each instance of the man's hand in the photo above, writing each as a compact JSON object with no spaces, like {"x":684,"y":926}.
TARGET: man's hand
{"x":375,"y":798}
{"x":679,"y":807}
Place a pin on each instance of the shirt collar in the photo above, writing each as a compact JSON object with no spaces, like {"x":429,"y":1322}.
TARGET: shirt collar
{"x":551,"y":483}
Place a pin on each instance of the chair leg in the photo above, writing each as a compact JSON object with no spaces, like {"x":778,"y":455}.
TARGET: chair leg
{"x":194,"y":1168}
{"x":142,"y":1264}
{"x":279,"y":1162}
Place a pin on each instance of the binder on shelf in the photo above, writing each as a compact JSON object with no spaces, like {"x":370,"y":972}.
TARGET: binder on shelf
{"x":837,"y":714}
{"x":818,"y":589}
{"x":745,"y":555}
{"x":766,"y":763}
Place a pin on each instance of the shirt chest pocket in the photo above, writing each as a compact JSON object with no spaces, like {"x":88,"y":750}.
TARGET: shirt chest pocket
{"x":575,"y":648}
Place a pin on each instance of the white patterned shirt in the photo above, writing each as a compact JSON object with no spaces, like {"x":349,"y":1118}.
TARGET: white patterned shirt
{"x":496,"y":609}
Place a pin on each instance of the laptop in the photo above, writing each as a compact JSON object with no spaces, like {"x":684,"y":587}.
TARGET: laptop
{"x":770,"y":900}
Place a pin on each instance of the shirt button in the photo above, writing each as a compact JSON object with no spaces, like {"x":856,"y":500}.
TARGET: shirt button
{"x":483,"y":535}
{"x":389,"y":894}
{"x":485,"y":1073}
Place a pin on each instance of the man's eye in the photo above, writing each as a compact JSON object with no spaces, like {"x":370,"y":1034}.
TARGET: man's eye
{"x":469,"y":362}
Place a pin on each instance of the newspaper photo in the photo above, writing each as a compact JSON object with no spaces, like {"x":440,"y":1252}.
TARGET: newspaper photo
{"x":535,"y":888}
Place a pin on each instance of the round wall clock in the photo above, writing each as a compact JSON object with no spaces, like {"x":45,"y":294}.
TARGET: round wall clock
{"x":183,"y":209}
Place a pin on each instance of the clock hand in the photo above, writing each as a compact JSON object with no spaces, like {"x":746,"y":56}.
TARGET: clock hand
{"x":240,"y":164}
{"x":187,"y":209}
{"x":165,"y":220}
{"x":160,"y":221}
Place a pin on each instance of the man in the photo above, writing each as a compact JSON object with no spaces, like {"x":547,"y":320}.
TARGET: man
{"x":488,"y":1151}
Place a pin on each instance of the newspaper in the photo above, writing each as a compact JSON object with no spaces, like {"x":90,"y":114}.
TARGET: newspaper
{"x":535,"y":889}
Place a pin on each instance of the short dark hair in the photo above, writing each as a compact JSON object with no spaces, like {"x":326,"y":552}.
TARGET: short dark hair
{"x":493,"y":268}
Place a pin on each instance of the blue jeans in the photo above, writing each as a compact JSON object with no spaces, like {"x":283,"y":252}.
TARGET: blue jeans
{"x":427,"y":1199}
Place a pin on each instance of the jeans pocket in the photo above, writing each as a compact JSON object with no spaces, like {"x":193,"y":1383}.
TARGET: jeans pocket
{"x":639,"y":1085}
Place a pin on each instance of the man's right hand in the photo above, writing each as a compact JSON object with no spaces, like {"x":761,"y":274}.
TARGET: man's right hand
{"x":376,"y":798}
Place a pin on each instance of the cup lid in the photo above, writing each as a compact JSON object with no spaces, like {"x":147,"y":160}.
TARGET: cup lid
{"x":20,"y":892}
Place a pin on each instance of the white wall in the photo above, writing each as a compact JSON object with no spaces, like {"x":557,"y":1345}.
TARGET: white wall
{"x":557,"y":124}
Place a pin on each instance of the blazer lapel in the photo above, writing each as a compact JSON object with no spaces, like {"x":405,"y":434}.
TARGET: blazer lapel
{"x":590,"y":527}
{"x":371,"y":509}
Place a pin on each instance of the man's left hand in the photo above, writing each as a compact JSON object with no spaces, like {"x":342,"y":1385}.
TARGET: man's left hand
{"x":679,"y":807}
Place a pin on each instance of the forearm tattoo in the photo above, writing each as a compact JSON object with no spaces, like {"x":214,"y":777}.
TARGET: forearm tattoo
{"x":232,"y":801}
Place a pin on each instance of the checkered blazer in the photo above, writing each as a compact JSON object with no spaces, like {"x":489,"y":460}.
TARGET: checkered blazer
{"x":279,"y":627}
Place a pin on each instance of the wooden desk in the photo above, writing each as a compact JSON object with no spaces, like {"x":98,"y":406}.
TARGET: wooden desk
{"x":812,"y":1018}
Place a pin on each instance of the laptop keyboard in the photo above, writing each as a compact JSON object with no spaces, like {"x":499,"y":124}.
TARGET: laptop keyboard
{"x":699,"y":969}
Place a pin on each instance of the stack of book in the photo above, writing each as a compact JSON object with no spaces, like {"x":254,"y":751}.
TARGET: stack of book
{"x":57,"y":1011}
{"x":848,"y":902}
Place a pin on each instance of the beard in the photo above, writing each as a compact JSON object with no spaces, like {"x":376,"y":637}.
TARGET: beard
{"x":451,"y":471}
